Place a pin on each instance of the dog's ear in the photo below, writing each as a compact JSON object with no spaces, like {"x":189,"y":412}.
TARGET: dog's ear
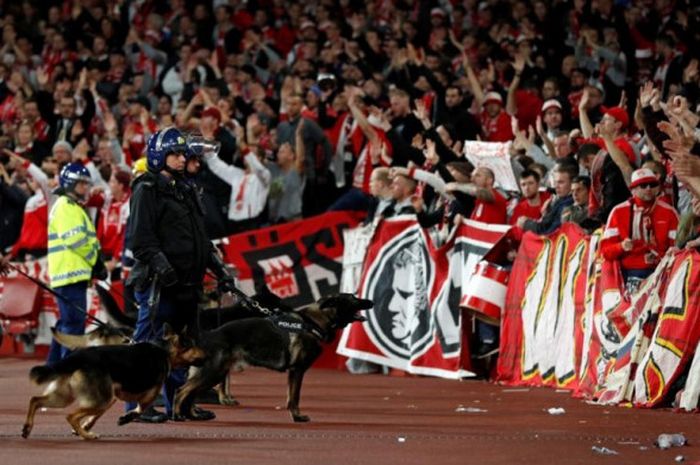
{"x":167,"y":331}
{"x":328,"y":302}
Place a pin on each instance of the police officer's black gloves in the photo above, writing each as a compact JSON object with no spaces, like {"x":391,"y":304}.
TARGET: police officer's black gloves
{"x":99,"y":270}
{"x":161,"y":267}
{"x":227,"y":284}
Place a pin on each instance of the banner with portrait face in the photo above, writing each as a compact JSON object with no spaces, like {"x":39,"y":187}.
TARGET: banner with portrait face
{"x":416,"y":323}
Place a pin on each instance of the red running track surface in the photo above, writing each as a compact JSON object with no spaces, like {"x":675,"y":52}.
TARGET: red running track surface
{"x":355,"y":419}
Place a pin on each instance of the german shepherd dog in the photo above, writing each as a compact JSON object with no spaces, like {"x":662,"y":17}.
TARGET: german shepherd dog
{"x":97,"y":376}
{"x":208,"y":319}
{"x":290,"y":344}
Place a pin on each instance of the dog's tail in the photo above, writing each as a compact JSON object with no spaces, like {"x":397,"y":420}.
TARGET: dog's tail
{"x":70,"y":341}
{"x":41,"y":374}
{"x":114,"y":312}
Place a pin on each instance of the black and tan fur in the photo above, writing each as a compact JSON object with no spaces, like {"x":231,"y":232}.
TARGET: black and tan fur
{"x":260,"y":342}
{"x":208,"y":319}
{"x":95,"y":377}
{"x":105,"y":335}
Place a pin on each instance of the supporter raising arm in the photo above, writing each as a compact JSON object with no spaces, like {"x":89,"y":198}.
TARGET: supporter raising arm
{"x":33,"y":236}
{"x":249,"y":187}
{"x":490,"y":206}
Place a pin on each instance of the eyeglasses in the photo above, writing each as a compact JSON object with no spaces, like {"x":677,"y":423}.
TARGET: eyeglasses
{"x":648,"y":185}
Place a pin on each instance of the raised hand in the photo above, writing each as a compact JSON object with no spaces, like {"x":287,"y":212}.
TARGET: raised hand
{"x":646,"y":92}
{"x":690,"y":73}
{"x":585,"y":98}
{"x":519,"y":63}
{"x":42,"y":77}
{"x":623,"y":100}
{"x":671,"y":130}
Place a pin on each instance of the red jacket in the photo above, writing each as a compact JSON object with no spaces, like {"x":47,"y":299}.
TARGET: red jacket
{"x":523,"y":208}
{"x":650,"y":228}
{"x":491,"y":212}
{"x":498,"y":128}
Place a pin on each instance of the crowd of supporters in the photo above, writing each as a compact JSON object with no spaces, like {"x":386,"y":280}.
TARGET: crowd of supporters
{"x":361,"y":105}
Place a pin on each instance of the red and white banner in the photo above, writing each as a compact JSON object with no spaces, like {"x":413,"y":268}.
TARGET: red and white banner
{"x":609,"y":347}
{"x":416,"y":322}
{"x":299,"y":261}
{"x":544,"y":309}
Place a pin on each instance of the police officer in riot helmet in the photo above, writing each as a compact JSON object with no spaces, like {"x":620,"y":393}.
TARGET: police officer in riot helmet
{"x":172,"y":252}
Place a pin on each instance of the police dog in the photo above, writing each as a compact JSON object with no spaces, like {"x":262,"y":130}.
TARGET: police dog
{"x":207,"y":319}
{"x":291,"y":344}
{"x":96,"y":377}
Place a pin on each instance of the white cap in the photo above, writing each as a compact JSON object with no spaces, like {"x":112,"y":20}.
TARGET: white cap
{"x":493,"y":97}
{"x":551,"y":103}
{"x":642,"y":176}
{"x":642,"y":53}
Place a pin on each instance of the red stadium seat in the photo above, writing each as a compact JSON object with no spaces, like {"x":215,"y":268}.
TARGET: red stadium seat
{"x":20,"y":303}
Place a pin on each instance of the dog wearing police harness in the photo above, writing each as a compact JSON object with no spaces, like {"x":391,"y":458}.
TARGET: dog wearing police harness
{"x":208,"y":319}
{"x":288,"y":342}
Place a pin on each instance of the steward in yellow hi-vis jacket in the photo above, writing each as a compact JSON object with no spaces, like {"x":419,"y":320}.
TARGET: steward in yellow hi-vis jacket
{"x":73,"y":255}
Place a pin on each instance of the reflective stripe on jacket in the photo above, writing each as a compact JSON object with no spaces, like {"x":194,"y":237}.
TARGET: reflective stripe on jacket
{"x":73,"y":247}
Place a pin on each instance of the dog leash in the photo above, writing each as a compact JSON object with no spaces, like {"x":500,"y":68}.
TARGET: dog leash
{"x":247,"y":300}
{"x":45,"y":287}
{"x":306,"y":323}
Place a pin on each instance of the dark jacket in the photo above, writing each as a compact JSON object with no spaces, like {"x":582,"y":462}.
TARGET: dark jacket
{"x":12,"y":200}
{"x":166,"y":217}
{"x":58,"y":125}
{"x":551,"y":219}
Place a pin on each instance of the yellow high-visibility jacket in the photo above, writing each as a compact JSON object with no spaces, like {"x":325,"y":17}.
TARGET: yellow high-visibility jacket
{"x":73,"y":244}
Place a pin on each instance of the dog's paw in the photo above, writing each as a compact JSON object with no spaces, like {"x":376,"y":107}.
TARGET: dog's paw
{"x":26,"y":429}
{"x":229,"y":400}
{"x":88,"y":436}
{"x":300,"y":418}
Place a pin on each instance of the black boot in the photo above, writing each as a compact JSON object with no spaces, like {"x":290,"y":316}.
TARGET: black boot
{"x":151,"y":415}
{"x":199,"y":414}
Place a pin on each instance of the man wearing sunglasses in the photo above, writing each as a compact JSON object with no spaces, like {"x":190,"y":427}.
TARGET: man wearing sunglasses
{"x":640,"y":230}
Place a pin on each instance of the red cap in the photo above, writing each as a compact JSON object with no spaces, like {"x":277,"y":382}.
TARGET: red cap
{"x":619,"y":114}
{"x":213,"y":112}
